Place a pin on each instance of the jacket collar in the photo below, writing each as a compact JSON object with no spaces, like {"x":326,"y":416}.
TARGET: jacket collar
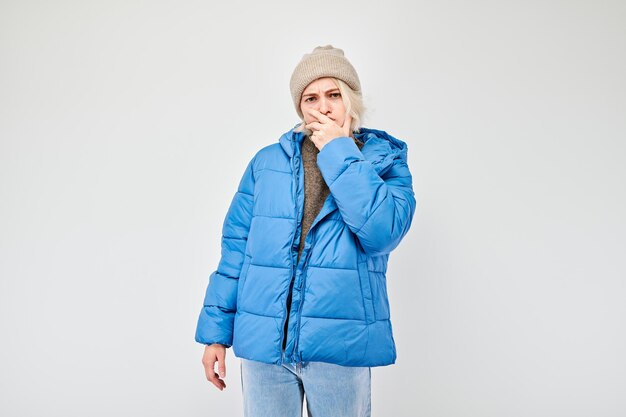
{"x":379,"y":147}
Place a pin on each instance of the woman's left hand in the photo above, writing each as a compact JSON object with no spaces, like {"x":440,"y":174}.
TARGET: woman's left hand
{"x":325,"y":129}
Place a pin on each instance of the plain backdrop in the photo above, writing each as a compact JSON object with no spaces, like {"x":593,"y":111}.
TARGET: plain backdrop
{"x":125,"y":127}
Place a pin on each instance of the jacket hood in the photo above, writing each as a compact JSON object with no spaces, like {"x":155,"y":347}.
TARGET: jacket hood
{"x":379,"y":147}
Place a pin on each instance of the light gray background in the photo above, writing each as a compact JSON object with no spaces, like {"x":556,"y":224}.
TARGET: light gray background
{"x":126,"y":125}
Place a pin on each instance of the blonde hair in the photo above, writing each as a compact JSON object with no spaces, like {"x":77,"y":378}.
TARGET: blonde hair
{"x":353,"y":103}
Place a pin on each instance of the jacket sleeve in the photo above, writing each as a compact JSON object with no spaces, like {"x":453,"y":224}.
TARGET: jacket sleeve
{"x":378,"y":209}
{"x":215,"y":324}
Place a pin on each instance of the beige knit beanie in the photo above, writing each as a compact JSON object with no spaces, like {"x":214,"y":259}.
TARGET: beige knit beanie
{"x":324,"y":61}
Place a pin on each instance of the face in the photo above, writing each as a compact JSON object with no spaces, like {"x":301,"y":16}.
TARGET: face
{"x":324,"y":96}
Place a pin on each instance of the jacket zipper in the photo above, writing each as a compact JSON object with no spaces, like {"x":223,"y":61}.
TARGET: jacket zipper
{"x":302,"y":287}
{"x":283,"y":336}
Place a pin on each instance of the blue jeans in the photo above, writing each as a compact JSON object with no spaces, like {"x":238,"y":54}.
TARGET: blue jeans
{"x":331,"y":390}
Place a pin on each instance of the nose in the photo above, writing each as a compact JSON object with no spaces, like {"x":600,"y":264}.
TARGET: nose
{"x":324,"y":105}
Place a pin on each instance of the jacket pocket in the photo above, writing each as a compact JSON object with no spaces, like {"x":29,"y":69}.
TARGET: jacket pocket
{"x":242,"y":278}
{"x":366,"y":292}
{"x":379,"y":292}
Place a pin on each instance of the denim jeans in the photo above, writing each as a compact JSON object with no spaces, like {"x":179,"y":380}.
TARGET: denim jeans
{"x":331,"y":390}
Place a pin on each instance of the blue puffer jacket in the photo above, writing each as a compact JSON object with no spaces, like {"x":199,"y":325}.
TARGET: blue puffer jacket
{"x":339,"y":310}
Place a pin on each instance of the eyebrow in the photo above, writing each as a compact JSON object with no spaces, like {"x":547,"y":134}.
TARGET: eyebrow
{"x":327,"y":91}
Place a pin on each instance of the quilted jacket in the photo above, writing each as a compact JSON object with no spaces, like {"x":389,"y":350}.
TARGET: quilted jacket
{"x":339,"y":310}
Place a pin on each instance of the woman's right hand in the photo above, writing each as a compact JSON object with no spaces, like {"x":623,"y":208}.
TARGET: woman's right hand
{"x":215,"y":353}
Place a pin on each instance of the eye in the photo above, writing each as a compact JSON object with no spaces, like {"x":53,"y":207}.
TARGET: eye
{"x":308,"y":98}
{"x":335,"y":95}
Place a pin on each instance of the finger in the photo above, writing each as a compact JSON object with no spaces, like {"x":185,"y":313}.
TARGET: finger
{"x":209,"y":363}
{"x":208,"y":360}
{"x":314,"y":126}
{"x":346,"y":124}
{"x":219,"y":384}
{"x":314,"y":139}
{"x":215,"y":380}
{"x":314,"y":116}
{"x":221,"y":363}
{"x":321,"y":116}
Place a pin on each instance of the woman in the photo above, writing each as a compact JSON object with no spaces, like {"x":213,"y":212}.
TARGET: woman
{"x":300,"y":290}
